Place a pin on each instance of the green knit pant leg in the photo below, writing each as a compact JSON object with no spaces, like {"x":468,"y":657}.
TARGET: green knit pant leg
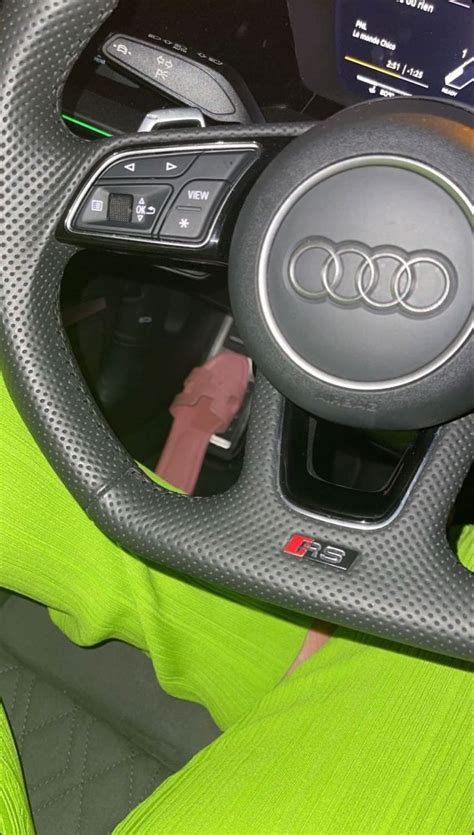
{"x":365,"y":737}
{"x":362,"y":738}
{"x":222,"y":653}
{"x":14,"y":810}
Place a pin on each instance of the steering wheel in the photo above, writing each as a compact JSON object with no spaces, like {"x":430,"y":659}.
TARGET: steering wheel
{"x":377,"y":192}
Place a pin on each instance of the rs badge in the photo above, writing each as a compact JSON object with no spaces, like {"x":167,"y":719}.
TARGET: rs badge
{"x":319,"y":550}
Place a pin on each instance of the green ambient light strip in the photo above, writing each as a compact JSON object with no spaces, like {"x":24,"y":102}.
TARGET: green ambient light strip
{"x":85,"y":125}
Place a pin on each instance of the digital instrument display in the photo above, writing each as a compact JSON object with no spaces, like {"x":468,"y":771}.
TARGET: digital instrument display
{"x":389,"y":48}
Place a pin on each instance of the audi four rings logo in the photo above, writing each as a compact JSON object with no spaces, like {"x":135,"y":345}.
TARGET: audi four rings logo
{"x":437,"y":282}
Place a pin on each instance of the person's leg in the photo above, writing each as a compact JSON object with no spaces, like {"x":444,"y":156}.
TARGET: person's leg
{"x":365,"y":737}
{"x":15,"y":818}
{"x":361,"y":738}
{"x":205,"y":647}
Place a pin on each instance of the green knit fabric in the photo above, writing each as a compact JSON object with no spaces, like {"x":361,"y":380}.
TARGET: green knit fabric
{"x":14,"y":811}
{"x":364,"y":737}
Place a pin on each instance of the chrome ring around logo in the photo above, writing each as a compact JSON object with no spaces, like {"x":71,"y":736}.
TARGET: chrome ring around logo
{"x":403,"y":279}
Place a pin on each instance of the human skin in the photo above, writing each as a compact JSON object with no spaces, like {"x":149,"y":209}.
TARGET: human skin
{"x":315,"y":638}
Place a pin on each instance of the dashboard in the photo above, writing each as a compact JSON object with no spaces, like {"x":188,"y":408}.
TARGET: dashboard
{"x":352,"y":50}
{"x":296,"y":58}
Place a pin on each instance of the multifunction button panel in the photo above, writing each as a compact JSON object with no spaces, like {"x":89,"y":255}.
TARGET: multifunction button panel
{"x":172,"y":197}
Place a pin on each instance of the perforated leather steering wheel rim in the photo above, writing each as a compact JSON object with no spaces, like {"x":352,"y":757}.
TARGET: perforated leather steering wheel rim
{"x":406,"y":584}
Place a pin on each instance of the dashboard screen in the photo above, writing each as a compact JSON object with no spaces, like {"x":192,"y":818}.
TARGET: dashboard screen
{"x":389,"y":48}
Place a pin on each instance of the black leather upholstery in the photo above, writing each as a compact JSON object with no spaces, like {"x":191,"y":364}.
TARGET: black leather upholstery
{"x":95,"y":732}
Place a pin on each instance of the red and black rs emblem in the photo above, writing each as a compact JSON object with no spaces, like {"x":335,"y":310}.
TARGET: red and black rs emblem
{"x":319,"y":550}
